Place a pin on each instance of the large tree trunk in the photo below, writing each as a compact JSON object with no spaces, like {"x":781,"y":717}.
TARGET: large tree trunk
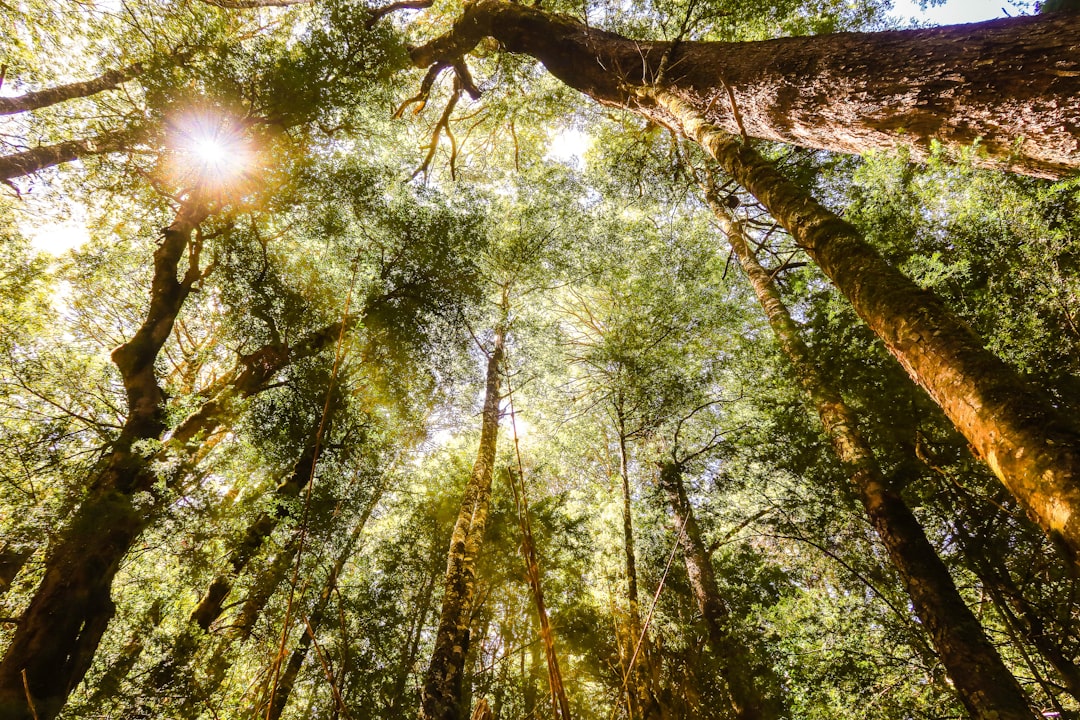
{"x":59,"y":632}
{"x":1013,"y":84}
{"x":754,"y":688}
{"x":1028,"y":443}
{"x":985,"y":686}
{"x":440,"y":698}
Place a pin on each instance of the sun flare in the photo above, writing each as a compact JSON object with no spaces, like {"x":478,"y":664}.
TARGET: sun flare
{"x":211,"y":151}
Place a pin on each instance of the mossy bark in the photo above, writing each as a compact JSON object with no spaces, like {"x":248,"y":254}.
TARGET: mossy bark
{"x":1032,"y":447}
{"x":985,"y":686}
{"x":441,"y":694}
{"x":1000,"y":80}
{"x":1012,"y":84}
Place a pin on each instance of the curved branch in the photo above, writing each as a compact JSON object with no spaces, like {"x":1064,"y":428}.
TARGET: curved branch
{"x":46,"y":156}
{"x":378,"y":13}
{"x":51,"y":96}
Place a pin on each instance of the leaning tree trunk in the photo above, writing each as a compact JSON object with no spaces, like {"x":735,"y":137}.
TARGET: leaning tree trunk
{"x":46,"y":156}
{"x":440,"y":698}
{"x":755,"y":690}
{"x":1012,"y":84}
{"x":1029,"y":444}
{"x":1009,"y":78}
{"x":985,"y":686}
{"x":59,"y":632}
{"x":171,"y":670}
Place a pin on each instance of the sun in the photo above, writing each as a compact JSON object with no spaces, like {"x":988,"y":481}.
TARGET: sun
{"x":210,"y":152}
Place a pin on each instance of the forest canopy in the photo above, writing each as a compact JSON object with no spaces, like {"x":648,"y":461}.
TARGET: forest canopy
{"x":442,"y":359}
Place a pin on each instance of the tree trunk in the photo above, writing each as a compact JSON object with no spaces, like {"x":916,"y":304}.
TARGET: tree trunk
{"x":171,"y":670}
{"x":212,"y":603}
{"x":287,"y":682}
{"x":643,"y":702}
{"x":998,"y":580}
{"x":441,"y":694}
{"x":560,"y":704}
{"x":416,"y":629}
{"x":754,"y":688}
{"x":60,"y":630}
{"x":12,"y":560}
{"x":1013,"y":84}
{"x":1029,"y":444}
{"x":37,"y":99}
{"x":46,"y":156}
{"x":985,"y":686}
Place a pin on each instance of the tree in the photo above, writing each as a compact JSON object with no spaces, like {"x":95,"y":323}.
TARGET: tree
{"x":968,"y":656}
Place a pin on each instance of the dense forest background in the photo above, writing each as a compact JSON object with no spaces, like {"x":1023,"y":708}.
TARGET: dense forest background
{"x":340,"y":379}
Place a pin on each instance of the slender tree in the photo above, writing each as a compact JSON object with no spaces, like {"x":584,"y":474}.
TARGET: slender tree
{"x":442,"y":688}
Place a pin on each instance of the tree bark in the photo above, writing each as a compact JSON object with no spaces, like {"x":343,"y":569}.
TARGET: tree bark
{"x":1012,"y":84}
{"x":753,"y":686}
{"x":46,"y":156}
{"x":60,"y":630}
{"x":440,"y":697}
{"x":12,"y":560}
{"x":1031,"y":446}
{"x":985,"y":686}
{"x":37,"y":99}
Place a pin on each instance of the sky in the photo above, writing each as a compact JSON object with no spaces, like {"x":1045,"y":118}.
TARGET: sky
{"x":955,"y":12}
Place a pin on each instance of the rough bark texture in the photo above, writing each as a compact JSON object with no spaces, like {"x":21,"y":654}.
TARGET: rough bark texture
{"x":58,"y":634}
{"x":1013,"y":83}
{"x":440,"y":698}
{"x":985,"y":686}
{"x":1032,"y":447}
{"x":46,"y":156}
{"x":38,"y":99}
{"x":1022,"y":436}
{"x":754,"y":689}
